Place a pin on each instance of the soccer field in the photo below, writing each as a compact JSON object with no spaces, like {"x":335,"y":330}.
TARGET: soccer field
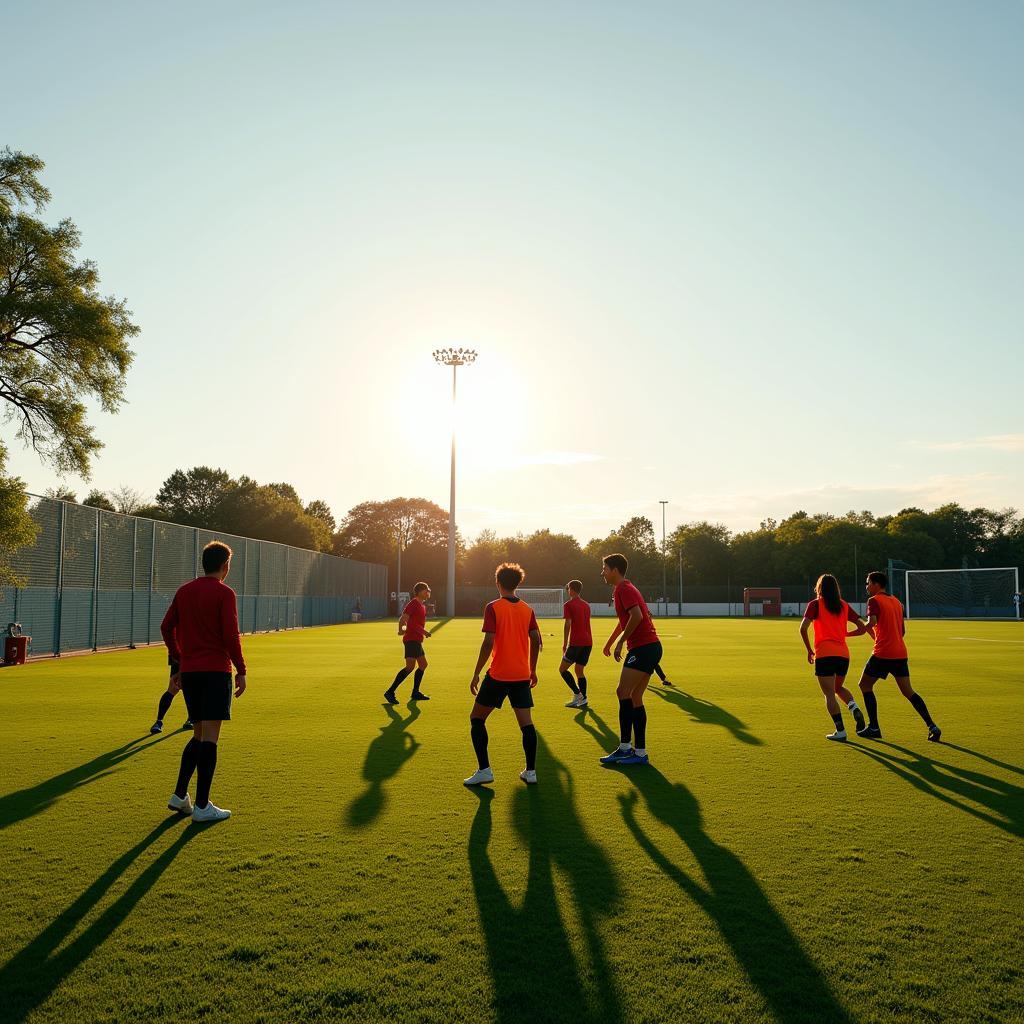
{"x":755,"y":872}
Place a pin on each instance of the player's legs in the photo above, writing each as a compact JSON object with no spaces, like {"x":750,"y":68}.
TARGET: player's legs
{"x":524,"y":716}
{"x":828,"y":689}
{"x":563,"y":670}
{"x":403,"y":673}
{"x":581,"y":682}
{"x":867,"y":688}
{"x":417,"y":679}
{"x":903,"y":682}
{"x":849,"y":700}
{"x":478,"y":734}
{"x":632,"y":715}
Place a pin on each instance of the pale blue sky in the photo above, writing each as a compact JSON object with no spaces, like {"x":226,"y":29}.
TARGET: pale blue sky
{"x":687,"y":239}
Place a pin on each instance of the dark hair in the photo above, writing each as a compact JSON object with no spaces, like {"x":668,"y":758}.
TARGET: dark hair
{"x":575,"y":586}
{"x":509,"y":575}
{"x":827,"y":589}
{"x":617,"y":562}
{"x":419,"y":588}
{"x":215,"y":554}
{"x":880,"y":578}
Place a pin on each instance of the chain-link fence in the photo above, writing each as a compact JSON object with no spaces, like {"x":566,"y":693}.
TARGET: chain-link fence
{"x":99,"y":579}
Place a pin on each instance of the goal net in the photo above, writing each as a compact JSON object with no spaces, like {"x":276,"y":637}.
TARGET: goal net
{"x":546,"y":602}
{"x":961,"y":593}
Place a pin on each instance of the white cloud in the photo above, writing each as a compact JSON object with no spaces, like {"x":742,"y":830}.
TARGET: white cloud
{"x":992,"y":442}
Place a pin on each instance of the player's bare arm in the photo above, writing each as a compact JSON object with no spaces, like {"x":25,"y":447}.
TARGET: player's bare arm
{"x":535,"y":645}
{"x":635,"y":618}
{"x":565,"y":636}
{"x":608,"y":646}
{"x":485,"y":652}
{"x":403,"y":623}
{"x":805,"y":626}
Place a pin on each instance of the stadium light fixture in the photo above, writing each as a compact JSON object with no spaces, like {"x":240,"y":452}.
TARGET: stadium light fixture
{"x":453,"y":357}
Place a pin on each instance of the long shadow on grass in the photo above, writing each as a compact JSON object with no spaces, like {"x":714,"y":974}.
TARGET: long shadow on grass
{"x":1016,"y":769}
{"x":384,"y":759}
{"x":769,"y":953}
{"x":536,"y":972}
{"x":439,"y":625}
{"x":26,"y":803}
{"x":953,"y":785}
{"x":29,"y":978}
{"x":705,"y":713}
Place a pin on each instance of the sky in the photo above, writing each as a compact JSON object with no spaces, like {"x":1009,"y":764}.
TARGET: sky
{"x":744,"y":257}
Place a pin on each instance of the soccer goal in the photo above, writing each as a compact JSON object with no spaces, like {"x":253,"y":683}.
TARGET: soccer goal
{"x":961,"y":593}
{"x":546,"y":602}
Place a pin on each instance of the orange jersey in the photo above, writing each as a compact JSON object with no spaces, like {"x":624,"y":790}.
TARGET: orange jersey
{"x":889,"y":641}
{"x":511,"y":621}
{"x":829,"y":629}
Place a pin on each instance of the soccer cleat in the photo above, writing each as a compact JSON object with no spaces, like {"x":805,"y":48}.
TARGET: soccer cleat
{"x":181,"y":804}
{"x":617,"y":755}
{"x":528,"y":776}
{"x":479,"y":777}
{"x":582,"y":703}
{"x":633,"y":757}
{"x":667,"y":682}
{"x":858,"y":717}
{"x":211,"y":812}
{"x":389,"y":697}
{"x":870,"y":732}
{"x":416,"y":695}
{"x":934,"y":733}
{"x":575,"y":702}
{"x":157,"y":726}
{"x":839,"y":736}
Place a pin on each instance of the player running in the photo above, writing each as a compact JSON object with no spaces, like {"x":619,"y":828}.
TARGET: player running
{"x":412,"y":627}
{"x":885,"y":623}
{"x":512,"y":641}
{"x":644,"y":652}
{"x":577,"y":643}
{"x":829,"y":614}
{"x":165,"y":702}
{"x":200,"y":630}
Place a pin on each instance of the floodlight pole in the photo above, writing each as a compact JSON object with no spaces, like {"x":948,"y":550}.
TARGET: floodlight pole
{"x":664,"y":567}
{"x":453,"y":357}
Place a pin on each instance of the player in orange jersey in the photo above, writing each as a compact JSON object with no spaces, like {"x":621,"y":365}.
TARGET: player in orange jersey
{"x":512,"y":641}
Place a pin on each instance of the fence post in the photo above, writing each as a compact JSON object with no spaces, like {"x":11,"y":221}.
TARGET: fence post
{"x":135,"y":555}
{"x":245,"y":586}
{"x":195,"y":553}
{"x":96,"y":587}
{"x":287,"y":592}
{"x":259,"y":585}
{"x":60,"y":582}
{"x":152,"y":580}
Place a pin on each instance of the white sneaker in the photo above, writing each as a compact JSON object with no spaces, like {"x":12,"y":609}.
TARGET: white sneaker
{"x":479,"y":777}
{"x":839,"y":736}
{"x":181,"y":804}
{"x":582,"y":702}
{"x":211,"y":812}
{"x":529,"y":777}
{"x":575,"y":702}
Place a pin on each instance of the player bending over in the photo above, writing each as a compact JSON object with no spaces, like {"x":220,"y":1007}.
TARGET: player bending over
{"x":412,"y":627}
{"x":636,"y":631}
{"x":512,"y":642}
{"x":577,"y":643}
{"x":885,"y":623}
{"x":828,"y":613}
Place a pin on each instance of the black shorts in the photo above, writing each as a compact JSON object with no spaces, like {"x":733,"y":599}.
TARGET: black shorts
{"x":831,"y":666}
{"x":881,"y":668}
{"x":207,"y":695}
{"x":492,"y":693}
{"x":414,"y":649}
{"x":577,"y":655}
{"x":643,"y":659}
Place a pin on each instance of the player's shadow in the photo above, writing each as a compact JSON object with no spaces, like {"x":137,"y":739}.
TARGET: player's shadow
{"x":26,"y":803}
{"x":959,"y":787}
{"x":705,"y":713}
{"x":568,"y":982}
{"x":30,"y":977}
{"x":1015,"y":768}
{"x":438,"y":625}
{"x":384,"y":759}
{"x":770,"y":954}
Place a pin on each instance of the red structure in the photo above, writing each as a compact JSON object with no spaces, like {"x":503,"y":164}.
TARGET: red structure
{"x":769,"y":598}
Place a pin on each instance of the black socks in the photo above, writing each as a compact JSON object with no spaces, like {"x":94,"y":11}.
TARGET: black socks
{"x":417,"y":679}
{"x":478,"y":733}
{"x":583,"y":685}
{"x":398,"y":679}
{"x":165,"y":706}
{"x":838,"y":719}
{"x":640,"y":727}
{"x":661,"y":675}
{"x":922,"y":709}
{"x":189,"y":757}
{"x":206,"y":764}
{"x":625,"y":719}
{"x":569,"y":681}
{"x":872,"y":707}
{"x":530,"y":746}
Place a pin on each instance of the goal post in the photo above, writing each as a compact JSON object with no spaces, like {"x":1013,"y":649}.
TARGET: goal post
{"x":962,"y":593}
{"x":546,"y":602}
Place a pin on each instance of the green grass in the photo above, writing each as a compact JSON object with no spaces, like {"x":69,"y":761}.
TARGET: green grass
{"x":754,"y":872}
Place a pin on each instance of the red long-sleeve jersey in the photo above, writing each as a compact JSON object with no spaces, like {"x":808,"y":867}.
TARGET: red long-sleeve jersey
{"x":200,"y":628}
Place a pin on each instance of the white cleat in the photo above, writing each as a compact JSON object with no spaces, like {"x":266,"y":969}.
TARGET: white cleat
{"x":211,"y":812}
{"x":181,"y":804}
{"x":839,"y":736}
{"x":479,"y":777}
{"x":582,"y":702}
{"x":575,"y":702}
{"x":529,"y":777}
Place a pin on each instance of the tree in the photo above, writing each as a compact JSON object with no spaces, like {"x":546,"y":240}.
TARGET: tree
{"x":61,"y":343}
{"x":321,"y":510}
{"x":98,"y":499}
{"x":61,"y":494}
{"x":192,"y":497}
{"x":127,"y":500}
{"x":705,"y":551}
{"x":17,"y":527}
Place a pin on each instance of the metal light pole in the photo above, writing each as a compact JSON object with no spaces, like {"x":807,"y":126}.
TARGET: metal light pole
{"x":664,"y":568}
{"x":453,"y":357}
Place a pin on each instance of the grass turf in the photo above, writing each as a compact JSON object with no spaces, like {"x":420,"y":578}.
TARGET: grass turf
{"x":753,"y":872}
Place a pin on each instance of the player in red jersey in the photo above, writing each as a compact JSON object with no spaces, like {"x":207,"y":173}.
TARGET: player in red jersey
{"x":885,"y":624}
{"x":643,"y":652}
{"x":828,"y":613}
{"x":577,"y":643}
{"x":412,"y":628}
